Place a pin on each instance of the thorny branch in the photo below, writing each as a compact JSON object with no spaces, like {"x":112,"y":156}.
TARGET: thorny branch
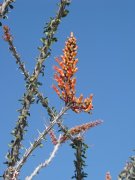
{"x":79,"y":163}
{"x":8,"y":37}
{"x":4,"y":7}
{"x":129,"y":170}
{"x":52,"y":114}
{"x":80,"y":150}
{"x":31,"y":89}
{"x":14,"y":163}
{"x":41,"y":136}
{"x":46,"y":163}
{"x":47,"y":42}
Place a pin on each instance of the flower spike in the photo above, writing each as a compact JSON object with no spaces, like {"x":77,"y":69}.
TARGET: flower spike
{"x":65,"y":80}
{"x":80,"y":129}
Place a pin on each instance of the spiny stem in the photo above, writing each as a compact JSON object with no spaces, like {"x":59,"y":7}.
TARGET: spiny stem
{"x":50,"y":30}
{"x":45,"y":163}
{"x":80,"y":150}
{"x":37,"y":142}
{"x":4,"y":7}
{"x":52,"y":114}
{"x":28,"y":98}
{"x":8,"y":37}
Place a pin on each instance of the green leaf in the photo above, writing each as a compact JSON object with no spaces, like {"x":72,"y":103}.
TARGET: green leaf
{"x":65,"y":13}
{"x":41,"y":145}
{"x":43,"y":40}
{"x":54,"y":39}
{"x":39,"y":48}
{"x":39,"y":83}
{"x":5,"y":17}
{"x":11,"y":6}
{"x":68,"y":3}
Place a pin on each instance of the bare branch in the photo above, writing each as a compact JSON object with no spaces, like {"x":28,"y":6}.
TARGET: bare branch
{"x":46,"y":163}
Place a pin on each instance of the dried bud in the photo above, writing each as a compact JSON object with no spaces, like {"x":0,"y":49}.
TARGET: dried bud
{"x":7,"y":36}
{"x":108,"y":176}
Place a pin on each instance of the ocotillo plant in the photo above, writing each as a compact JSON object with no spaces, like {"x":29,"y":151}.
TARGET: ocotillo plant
{"x":66,"y":90}
{"x":65,"y":87}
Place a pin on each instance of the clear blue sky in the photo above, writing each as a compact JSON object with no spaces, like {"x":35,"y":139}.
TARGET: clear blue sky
{"x":105,"y":32}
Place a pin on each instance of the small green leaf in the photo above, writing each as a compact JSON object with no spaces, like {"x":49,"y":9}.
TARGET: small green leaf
{"x":41,"y":145}
{"x":5,"y":17}
{"x":39,"y":48}
{"x":68,"y":3}
{"x":65,"y":13}
{"x":11,"y":7}
{"x":43,"y":40}
{"x":54,"y":39}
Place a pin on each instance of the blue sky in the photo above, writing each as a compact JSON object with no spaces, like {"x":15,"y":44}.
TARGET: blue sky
{"x":105,"y":32}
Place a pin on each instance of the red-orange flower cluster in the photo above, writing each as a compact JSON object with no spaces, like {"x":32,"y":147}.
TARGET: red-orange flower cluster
{"x":66,"y":82}
{"x":81,"y":128}
{"x":7,"y":35}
